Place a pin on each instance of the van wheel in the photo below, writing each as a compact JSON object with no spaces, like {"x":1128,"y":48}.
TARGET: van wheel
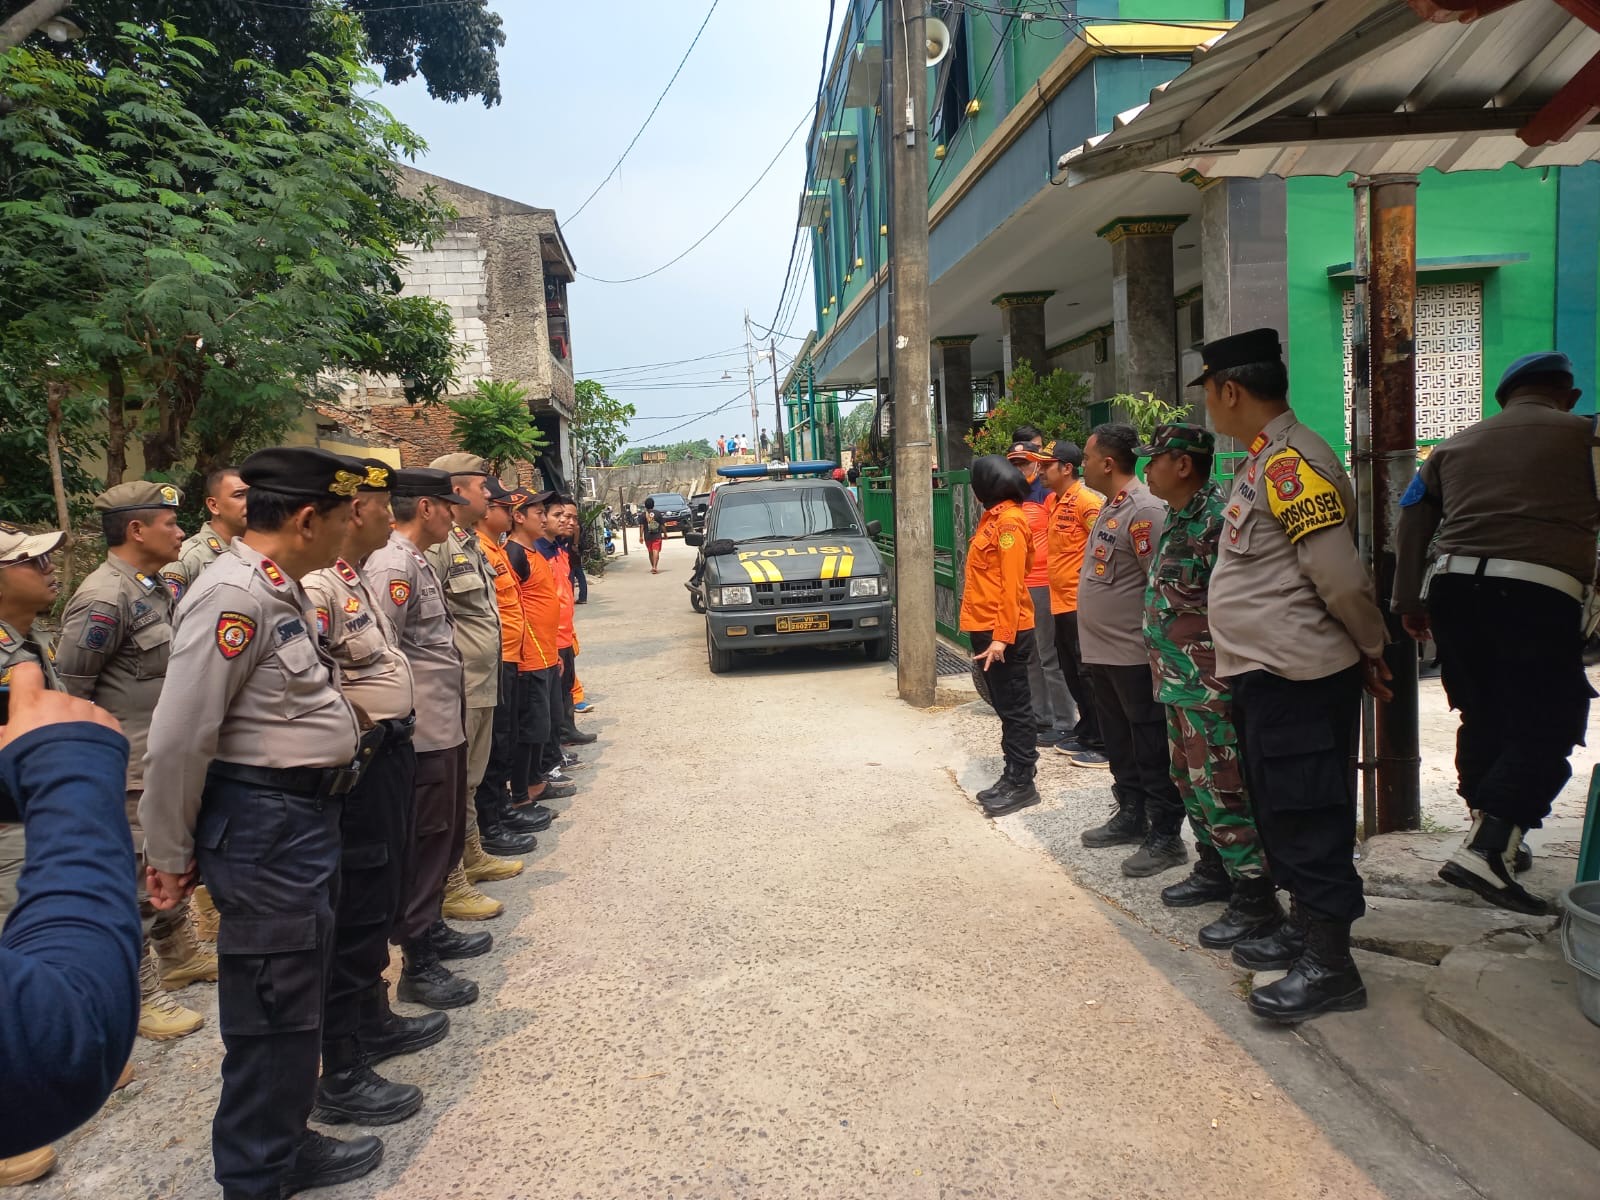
{"x":877,"y":649}
{"x":721,"y":660}
{"x":697,"y":601}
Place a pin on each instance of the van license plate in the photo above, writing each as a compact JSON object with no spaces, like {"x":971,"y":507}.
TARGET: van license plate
{"x":804,"y":623}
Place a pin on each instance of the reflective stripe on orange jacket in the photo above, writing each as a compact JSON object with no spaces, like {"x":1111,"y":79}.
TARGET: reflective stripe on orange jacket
{"x":995,"y":598}
{"x":541,"y":608}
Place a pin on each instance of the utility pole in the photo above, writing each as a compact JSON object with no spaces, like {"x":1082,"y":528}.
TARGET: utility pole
{"x":750,"y":372}
{"x":777,"y":401}
{"x":909,"y":371}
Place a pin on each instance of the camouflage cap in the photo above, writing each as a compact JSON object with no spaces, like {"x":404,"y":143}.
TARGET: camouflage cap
{"x":460,"y":463}
{"x":126,"y":497}
{"x":1179,"y":436}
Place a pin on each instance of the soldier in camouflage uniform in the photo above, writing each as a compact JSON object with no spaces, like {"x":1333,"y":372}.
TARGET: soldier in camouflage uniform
{"x":1205,"y":755}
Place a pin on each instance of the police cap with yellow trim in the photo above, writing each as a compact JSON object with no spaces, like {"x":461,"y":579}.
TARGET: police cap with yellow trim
{"x":303,"y":471}
{"x":140,"y":494}
{"x":380,"y":476}
{"x":1238,"y":350}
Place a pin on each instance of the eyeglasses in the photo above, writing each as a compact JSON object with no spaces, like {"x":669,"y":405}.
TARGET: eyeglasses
{"x":39,"y":562}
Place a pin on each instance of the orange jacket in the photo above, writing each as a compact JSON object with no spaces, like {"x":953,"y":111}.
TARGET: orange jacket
{"x":995,"y":598}
{"x":1037,"y":508}
{"x":562,"y":566}
{"x":513,"y":627}
{"x":1070,"y":518}
{"x":541,"y":609}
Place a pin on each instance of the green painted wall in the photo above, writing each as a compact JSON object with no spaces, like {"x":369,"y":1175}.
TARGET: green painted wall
{"x":1477,"y":213}
{"x":1161,"y":10}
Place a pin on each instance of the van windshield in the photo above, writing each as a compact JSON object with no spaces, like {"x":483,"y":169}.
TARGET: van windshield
{"x":784,"y":513}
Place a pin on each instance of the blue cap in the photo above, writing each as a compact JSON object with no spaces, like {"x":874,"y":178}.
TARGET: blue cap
{"x":1546,"y":362}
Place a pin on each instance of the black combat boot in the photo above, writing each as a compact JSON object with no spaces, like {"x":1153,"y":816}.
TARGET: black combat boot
{"x":385,"y":1033}
{"x":1126,"y":827}
{"x":1277,"y":950}
{"x":351,"y":1092}
{"x":1207,"y":882}
{"x":529,"y":819}
{"x":1323,"y":979}
{"x":427,"y":981}
{"x":322,"y":1161}
{"x":1485,"y":863}
{"x":573,"y":737}
{"x":1009,"y":795}
{"x":1253,"y":912}
{"x":993,"y":790}
{"x":452,"y":943}
{"x":1160,"y":852}
{"x":500,"y":838}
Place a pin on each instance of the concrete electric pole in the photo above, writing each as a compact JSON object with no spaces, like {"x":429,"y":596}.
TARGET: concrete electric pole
{"x":909,"y":371}
{"x":750,"y":372}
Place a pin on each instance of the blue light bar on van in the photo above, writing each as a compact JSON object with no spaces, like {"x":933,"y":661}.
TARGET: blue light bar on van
{"x":779,"y":470}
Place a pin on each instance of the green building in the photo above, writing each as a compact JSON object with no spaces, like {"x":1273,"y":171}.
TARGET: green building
{"x":1121,"y":276}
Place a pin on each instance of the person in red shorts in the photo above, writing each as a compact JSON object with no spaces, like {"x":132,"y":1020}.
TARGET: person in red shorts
{"x":650,"y":527}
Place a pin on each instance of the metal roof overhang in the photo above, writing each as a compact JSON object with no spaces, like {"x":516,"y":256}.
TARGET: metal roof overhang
{"x":1328,"y":87}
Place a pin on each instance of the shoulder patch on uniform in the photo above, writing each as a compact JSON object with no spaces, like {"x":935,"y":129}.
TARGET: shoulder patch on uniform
{"x":1119,"y":497}
{"x":322,"y":622}
{"x":271,"y":571}
{"x":345,"y":571}
{"x":1139,"y":531}
{"x":1415,"y":491}
{"x":144,"y":580}
{"x":399,"y":591}
{"x":6,"y":640}
{"x":1258,"y":443}
{"x":175,"y":586}
{"x":235,"y":631}
{"x":1007,"y":540}
{"x":1302,"y":500}
{"x":214,"y":544}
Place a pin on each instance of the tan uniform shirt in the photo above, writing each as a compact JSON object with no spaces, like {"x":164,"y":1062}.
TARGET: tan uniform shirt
{"x":15,"y":647}
{"x":372,"y":669}
{"x":1290,"y":594}
{"x":410,"y":594}
{"x":246,"y":684}
{"x":1116,"y":568}
{"x":116,"y":636}
{"x":469,"y":591}
{"x":1519,"y":485}
{"x":198,"y":553}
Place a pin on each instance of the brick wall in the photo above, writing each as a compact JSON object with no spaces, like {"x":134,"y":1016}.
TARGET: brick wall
{"x":419,"y":433}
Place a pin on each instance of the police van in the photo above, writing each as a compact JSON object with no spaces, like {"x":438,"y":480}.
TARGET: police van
{"x":786,"y":560}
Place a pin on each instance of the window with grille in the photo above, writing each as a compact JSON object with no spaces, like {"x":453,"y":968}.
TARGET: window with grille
{"x":1449,"y":358}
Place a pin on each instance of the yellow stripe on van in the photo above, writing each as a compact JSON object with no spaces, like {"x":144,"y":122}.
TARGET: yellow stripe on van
{"x":828,"y":565}
{"x":846,"y":565}
{"x":772,"y":571}
{"x":753,"y":571}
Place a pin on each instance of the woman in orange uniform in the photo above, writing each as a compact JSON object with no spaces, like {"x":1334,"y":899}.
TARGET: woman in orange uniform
{"x":997,"y":615}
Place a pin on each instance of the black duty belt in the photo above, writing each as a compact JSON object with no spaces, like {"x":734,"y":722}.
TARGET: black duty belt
{"x":316,"y":783}
{"x":398,"y":729}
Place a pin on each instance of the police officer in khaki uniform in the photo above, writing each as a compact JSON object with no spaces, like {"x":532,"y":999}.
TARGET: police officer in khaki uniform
{"x":116,"y":635}
{"x":1514,"y":503}
{"x":1116,"y":568}
{"x":225,"y":503}
{"x":358,"y":1027}
{"x":251,"y":753}
{"x":411,"y":595}
{"x":469,"y":591}
{"x":1297,"y":629}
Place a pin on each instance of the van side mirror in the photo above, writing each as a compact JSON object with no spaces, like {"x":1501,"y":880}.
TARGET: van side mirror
{"x":874,"y":528}
{"x":694,"y":539}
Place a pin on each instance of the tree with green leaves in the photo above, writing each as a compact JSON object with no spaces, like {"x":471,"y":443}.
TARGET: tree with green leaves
{"x":207,"y":279}
{"x":600,"y":423}
{"x":495,"y":424}
{"x":1055,"y":404}
{"x":1146,"y":410}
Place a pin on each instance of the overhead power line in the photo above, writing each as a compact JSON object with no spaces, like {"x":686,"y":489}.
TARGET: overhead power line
{"x":695,"y":245}
{"x":617,"y":165}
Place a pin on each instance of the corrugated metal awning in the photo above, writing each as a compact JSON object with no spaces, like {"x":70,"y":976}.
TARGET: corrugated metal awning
{"x":1326,"y":87}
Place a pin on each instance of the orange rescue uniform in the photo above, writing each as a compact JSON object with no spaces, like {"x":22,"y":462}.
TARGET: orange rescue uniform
{"x":995,"y":597}
{"x":541,"y":609}
{"x":513,"y":626}
{"x":1070,"y":518}
{"x":562,"y":566}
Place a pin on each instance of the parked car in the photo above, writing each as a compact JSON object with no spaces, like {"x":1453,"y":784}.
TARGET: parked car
{"x":674,"y":513}
{"x":698,"y":504}
{"x":790,"y":562}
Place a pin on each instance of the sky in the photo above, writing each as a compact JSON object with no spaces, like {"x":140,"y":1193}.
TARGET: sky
{"x":577,"y":82}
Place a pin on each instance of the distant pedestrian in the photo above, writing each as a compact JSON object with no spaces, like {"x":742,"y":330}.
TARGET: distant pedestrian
{"x":722,"y":446}
{"x":651,"y":530}
{"x":766,"y":444}
{"x":997,"y":616}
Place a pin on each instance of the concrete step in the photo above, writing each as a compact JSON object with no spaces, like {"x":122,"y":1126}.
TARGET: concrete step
{"x":1514,"y":1008}
{"x":1424,"y":931}
{"x":1506,"y":1145}
{"x":1406,"y":866}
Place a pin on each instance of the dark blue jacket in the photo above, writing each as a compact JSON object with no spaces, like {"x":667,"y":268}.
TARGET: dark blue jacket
{"x":69,"y":954}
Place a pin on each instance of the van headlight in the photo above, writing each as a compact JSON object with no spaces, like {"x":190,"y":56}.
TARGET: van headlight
{"x":735,"y":595}
{"x":868,"y":585}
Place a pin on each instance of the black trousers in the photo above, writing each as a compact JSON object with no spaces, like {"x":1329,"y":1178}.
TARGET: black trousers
{"x":1298,"y":740}
{"x":1070,"y":655}
{"x":1134,"y":729}
{"x":539,"y":731}
{"x":271,"y":861}
{"x":375,"y":829}
{"x":1511,"y":653}
{"x":1007,"y":685}
{"x":569,"y":676}
{"x":504,"y":747}
{"x":437,"y":838}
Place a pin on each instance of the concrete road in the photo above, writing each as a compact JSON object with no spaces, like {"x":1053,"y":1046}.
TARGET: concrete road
{"x":771,"y":951}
